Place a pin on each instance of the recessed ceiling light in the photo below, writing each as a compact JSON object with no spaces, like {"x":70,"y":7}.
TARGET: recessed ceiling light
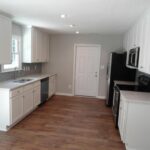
{"x":63,"y":16}
{"x":72,"y":25}
{"x":77,"y":32}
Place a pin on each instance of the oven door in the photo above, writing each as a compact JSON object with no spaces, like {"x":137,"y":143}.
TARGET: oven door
{"x":115,"y":107}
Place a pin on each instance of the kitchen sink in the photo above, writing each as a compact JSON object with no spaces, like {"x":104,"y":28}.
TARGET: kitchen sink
{"x":23,"y":80}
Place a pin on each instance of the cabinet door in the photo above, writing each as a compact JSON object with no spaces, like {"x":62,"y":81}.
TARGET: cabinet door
{"x":34,"y":45}
{"x":138,"y":126}
{"x":37,"y":96}
{"x":122,"y":119}
{"x":27,"y":101}
{"x":27,"y":55}
{"x":147,"y":46}
{"x":39,"y":46}
{"x":5,"y":40}
{"x":144,"y":44}
{"x":17,"y":108}
{"x":50,"y":86}
{"x":45,"y":54}
{"x":52,"y":83}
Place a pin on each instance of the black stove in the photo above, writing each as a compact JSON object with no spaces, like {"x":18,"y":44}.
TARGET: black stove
{"x":143,"y":86}
{"x":136,"y":88}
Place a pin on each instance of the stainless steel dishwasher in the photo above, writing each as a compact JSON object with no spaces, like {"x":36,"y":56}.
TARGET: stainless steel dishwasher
{"x":44,"y":89}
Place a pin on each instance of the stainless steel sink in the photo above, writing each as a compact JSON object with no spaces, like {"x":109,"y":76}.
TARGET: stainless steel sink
{"x":23,"y":80}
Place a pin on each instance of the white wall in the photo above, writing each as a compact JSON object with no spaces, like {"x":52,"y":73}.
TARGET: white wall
{"x":62,"y":55}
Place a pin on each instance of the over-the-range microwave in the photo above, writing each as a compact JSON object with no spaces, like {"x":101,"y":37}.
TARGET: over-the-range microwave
{"x":133,"y":58}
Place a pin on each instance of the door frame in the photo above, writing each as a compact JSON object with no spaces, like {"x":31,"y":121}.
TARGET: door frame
{"x":74,"y":65}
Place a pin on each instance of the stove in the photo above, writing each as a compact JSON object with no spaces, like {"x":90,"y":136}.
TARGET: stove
{"x":136,"y":88}
{"x":143,"y":86}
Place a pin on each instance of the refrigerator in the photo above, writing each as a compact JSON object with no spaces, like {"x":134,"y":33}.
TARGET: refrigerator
{"x":117,"y":70}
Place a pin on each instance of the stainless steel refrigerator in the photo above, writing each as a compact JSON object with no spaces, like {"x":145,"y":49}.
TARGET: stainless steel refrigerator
{"x":117,"y":70}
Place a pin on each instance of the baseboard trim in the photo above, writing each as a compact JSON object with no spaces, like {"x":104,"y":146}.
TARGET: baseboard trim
{"x":68,"y":94}
{"x":101,"y":97}
{"x":64,"y":94}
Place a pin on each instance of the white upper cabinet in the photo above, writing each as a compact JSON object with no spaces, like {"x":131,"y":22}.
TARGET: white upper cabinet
{"x":138,"y":36}
{"x":35,"y":49}
{"x":5,"y":40}
{"x":46,"y":42}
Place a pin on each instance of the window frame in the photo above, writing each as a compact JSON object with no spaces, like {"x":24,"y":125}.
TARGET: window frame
{"x":19,"y":53}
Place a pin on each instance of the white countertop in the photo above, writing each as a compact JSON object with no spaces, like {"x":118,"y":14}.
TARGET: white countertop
{"x":130,"y":96}
{"x":10,"y":84}
{"x":125,"y":82}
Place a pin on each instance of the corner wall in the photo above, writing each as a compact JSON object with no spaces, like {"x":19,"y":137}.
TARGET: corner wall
{"x":62,"y":57}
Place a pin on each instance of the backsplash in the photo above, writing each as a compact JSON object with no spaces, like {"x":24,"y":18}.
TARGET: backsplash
{"x":28,"y":69}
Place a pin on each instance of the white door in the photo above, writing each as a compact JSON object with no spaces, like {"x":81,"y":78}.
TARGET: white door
{"x":87,"y":70}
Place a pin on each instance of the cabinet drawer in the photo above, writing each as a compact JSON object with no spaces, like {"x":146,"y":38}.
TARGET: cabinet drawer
{"x":16,"y":92}
{"x":28,"y":87}
{"x":38,"y":83}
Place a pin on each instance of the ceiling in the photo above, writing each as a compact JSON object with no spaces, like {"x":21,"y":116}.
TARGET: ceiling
{"x":89,"y":16}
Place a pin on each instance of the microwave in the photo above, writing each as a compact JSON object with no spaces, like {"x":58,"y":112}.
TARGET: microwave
{"x":133,"y":58}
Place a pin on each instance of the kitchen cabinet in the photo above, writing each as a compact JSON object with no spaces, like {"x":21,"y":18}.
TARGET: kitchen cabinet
{"x":39,"y":45}
{"x":35,"y":45}
{"x":27,"y":101}
{"x":17,"y":108}
{"x":37,"y":94}
{"x":134,"y":122}
{"x":17,"y":103}
{"x":52,"y":84}
{"x":138,"y":36}
{"x":45,"y":53}
{"x":144,"y":44}
{"x":122,"y":119}
{"x":5,"y":40}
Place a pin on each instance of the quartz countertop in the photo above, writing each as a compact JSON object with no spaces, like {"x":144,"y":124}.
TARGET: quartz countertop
{"x":130,"y":96}
{"x":10,"y":84}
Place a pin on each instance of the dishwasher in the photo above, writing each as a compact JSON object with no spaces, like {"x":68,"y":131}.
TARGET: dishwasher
{"x":44,"y":89}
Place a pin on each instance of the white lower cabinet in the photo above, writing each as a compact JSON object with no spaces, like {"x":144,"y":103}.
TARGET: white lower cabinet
{"x":16,"y":108}
{"x":18,"y":103}
{"x":52,"y":84}
{"x":37,"y":95}
{"x":134,"y":124}
{"x":27,"y":101}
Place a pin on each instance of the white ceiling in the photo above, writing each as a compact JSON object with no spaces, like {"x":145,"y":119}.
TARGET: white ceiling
{"x":89,"y":16}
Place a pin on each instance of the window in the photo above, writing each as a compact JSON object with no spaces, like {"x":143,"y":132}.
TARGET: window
{"x":16,"y":56}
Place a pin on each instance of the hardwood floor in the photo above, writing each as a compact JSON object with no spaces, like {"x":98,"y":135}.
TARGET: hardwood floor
{"x":65,"y":123}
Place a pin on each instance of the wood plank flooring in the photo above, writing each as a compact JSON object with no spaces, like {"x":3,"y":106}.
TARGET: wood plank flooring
{"x":65,"y":123}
